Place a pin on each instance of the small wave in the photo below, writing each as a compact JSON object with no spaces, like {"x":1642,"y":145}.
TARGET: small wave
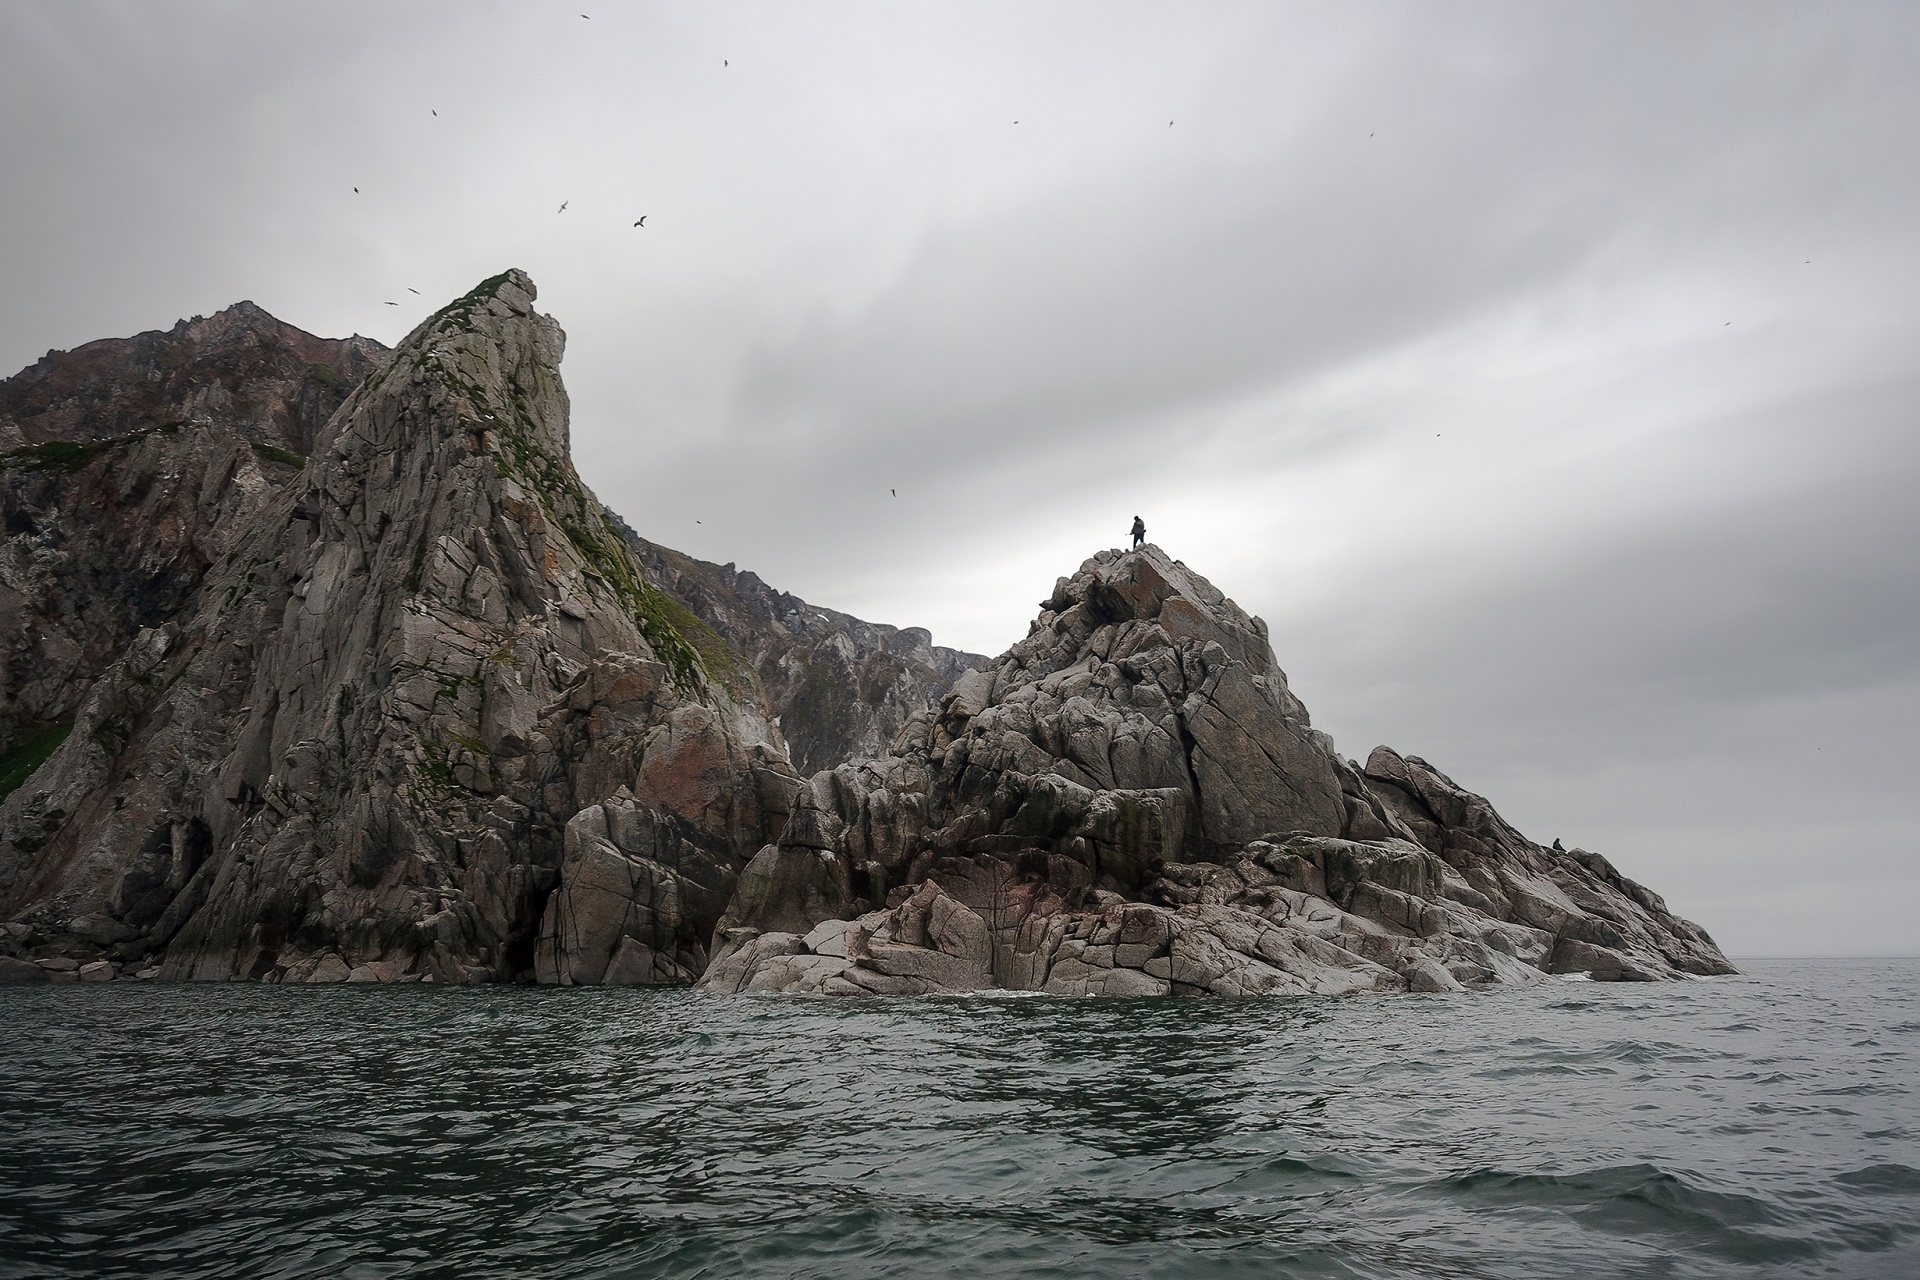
{"x":1882,"y":1179}
{"x":1631,"y":1200}
{"x":1543,"y":1069}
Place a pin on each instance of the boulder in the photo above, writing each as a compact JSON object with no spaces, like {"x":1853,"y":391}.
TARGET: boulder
{"x":15,"y":972}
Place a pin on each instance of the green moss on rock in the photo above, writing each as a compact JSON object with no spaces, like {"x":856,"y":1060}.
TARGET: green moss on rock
{"x":27,"y":755}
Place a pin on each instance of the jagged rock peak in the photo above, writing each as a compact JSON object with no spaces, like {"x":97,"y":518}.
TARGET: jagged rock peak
{"x":366,"y":748}
{"x":240,"y":369}
{"x":128,"y":467}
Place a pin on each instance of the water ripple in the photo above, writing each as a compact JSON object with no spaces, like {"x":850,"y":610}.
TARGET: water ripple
{"x":1684,"y":1130}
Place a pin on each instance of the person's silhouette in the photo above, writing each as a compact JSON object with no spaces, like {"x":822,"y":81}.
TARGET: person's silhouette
{"x":1139,"y":532}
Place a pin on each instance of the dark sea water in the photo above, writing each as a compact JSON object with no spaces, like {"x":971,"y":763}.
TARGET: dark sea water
{"x":1760,"y":1125}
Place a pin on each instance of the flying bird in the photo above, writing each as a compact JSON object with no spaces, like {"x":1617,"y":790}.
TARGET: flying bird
{"x":434,"y":112}
{"x":393,"y":304}
{"x":723,"y":62}
{"x":412,"y":290}
{"x":894,"y":492}
{"x":1169,"y":124}
{"x":642,"y":222}
{"x":563,"y":206}
{"x":356,"y":191}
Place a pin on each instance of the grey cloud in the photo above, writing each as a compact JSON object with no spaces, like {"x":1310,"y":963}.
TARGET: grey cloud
{"x":863,"y":280}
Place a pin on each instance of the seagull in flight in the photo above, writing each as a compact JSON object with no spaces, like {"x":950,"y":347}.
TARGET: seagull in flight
{"x":356,"y":191}
{"x":642,"y":222}
{"x":894,"y":492}
{"x":563,"y":206}
{"x":436,"y":113}
{"x":393,"y":304}
{"x":412,"y":290}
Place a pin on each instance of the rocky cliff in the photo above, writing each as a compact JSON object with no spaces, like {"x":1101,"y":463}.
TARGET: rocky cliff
{"x":127,"y":468}
{"x":416,"y":706}
{"x":838,"y":687}
{"x":360,"y":748}
{"x":1131,"y":801}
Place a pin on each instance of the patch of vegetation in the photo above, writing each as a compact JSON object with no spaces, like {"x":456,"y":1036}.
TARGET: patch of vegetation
{"x":460,"y":310}
{"x":69,"y":456}
{"x":664,"y":621}
{"x":285,"y":457}
{"x":18,"y":764}
{"x":435,"y":767}
{"x":448,"y":686}
{"x":323,"y":375}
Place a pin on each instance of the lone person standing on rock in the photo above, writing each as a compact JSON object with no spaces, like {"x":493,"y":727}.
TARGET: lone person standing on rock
{"x":1139,"y":532}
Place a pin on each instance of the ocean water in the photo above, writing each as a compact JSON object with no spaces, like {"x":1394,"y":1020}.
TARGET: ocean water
{"x":1759,"y":1125}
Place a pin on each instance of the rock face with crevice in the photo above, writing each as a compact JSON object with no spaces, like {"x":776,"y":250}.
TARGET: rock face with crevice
{"x":1132,"y":802}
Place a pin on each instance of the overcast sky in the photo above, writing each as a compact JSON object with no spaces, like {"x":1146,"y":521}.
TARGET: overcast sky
{"x":1547,"y":376}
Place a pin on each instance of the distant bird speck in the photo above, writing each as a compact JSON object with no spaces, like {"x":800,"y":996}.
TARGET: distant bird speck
{"x":393,"y":304}
{"x":723,"y":62}
{"x":894,"y":492}
{"x":436,"y":113}
{"x":1169,"y":124}
{"x":563,"y":206}
{"x":412,"y":290}
{"x":642,"y":222}
{"x":356,"y":191}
